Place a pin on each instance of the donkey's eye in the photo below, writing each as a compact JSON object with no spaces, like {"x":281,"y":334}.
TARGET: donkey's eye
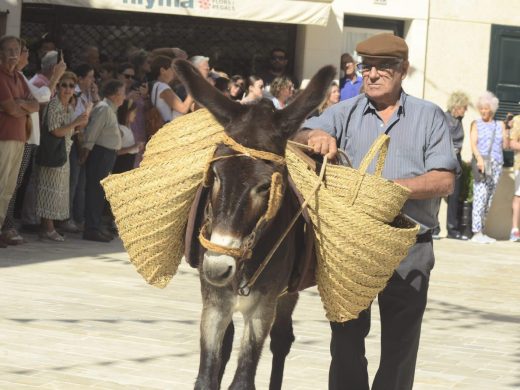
{"x":262,"y":188}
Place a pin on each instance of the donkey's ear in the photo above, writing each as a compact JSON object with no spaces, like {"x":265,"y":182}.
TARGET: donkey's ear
{"x":290,"y":118}
{"x":223,"y":108}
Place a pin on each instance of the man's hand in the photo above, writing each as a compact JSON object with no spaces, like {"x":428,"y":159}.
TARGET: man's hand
{"x":83,"y":155}
{"x":322,"y":143}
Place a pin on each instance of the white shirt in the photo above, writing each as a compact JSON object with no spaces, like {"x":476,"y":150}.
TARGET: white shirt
{"x":127,"y":139}
{"x":42,"y":95}
{"x":164,"y":108}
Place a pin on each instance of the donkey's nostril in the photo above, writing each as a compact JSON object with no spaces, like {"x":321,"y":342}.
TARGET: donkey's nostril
{"x":227,"y":273}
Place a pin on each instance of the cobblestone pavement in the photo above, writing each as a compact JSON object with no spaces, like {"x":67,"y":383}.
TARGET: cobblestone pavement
{"x":76,"y":315}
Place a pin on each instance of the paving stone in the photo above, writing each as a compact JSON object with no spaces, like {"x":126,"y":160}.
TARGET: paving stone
{"x":76,"y":315}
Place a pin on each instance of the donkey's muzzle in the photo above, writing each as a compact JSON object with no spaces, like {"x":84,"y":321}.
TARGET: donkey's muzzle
{"x":218,"y":269}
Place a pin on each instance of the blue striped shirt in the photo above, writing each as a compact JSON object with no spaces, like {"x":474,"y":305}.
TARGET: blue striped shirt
{"x":419,"y":142}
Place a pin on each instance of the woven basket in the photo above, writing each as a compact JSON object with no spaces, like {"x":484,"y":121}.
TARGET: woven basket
{"x":151,"y":203}
{"x":357,"y":248}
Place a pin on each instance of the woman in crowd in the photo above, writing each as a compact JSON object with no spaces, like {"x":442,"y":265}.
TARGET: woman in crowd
{"x":255,"y":90}
{"x":331,"y":98}
{"x":138,"y":93}
{"x":162,"y":95}
{"x":282,"y":89}
{"x":52,"y":199}
{"x":236,"y":87}
{"x":141,"y":63}
{"x":488,"y":139}
{"x":129,"y":147}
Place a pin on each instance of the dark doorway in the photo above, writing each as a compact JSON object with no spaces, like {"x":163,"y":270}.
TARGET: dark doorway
{"x":504,"y":73}
{"x":233,"y":46}
{"x":3,"y":22}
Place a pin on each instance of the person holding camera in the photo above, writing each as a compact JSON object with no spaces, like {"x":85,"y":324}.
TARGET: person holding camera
{"x":488,"y":139}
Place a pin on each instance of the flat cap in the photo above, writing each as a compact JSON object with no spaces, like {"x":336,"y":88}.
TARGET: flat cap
{"x":384,"y":45}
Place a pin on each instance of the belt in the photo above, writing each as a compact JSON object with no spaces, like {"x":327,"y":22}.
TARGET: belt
{"x":425,"y":237}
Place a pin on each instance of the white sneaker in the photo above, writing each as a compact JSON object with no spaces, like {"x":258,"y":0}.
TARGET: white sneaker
{"x":480,"y":238}
{"x":490,"y":240}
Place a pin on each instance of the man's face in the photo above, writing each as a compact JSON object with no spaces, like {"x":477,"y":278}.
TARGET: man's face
{"x":348,"y":65}
{"x":119,"y":97}
{"x":204,"y":68}
{"x":85,"y":83}
{"x":382,"y":77}
{"x":278,"y":61}
{"x":10,"y":54}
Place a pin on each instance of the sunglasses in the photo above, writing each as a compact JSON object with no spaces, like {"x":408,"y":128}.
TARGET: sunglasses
{"x":278,"y":58}
{"x":65,"y":85}
{"x":128,"y":76}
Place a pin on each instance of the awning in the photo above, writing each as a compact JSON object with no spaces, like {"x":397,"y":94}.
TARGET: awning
{"x":275,"y":11}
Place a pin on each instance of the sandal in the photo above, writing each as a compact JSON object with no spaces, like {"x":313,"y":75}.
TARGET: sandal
{"x":53,"y":236}
{"x":11,"y":237}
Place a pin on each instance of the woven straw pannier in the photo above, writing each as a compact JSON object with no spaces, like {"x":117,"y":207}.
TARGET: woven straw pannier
{"x":151,"y":203}
{"x":360,"y":236}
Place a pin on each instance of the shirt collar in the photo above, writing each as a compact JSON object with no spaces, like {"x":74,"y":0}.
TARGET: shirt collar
{"x":402,"y":105}
{"x":7,"y":72}
{"x":110,"y":104}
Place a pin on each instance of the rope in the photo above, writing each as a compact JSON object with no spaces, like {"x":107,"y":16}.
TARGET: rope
{"x":247,"y":287}
{"x":253,"y":153}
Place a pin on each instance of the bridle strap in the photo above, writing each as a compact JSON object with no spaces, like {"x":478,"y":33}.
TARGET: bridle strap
{"x":253,"y":153}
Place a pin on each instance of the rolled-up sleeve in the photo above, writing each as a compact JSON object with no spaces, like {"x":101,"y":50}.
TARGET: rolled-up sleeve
{"x":439,"y":153}
{"x":331,"y":121}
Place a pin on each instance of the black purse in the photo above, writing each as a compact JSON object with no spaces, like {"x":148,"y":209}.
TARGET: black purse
{"x":52,"y":152}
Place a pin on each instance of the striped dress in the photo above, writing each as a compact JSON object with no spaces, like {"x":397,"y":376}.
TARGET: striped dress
{"x":52,"y":191}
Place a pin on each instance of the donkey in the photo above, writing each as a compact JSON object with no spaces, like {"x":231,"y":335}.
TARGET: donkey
{"x":243,"y":210}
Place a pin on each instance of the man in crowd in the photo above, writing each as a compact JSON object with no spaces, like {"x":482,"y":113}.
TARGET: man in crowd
{"x":99,"y":150}
{"x":16,"y":103}
{"x":421,"y":158}
{"x":457,"y":106}
{"x":86,"y":95}
{"x":277,"y":68}
{"x":350,"y":84}
{"x":515,"y":145}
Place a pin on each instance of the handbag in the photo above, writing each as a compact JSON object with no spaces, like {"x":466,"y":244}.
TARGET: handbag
{"x":52,"y":152}
{"x":481,"y":175}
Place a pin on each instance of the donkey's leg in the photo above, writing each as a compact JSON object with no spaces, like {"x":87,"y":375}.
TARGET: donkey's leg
{"x":282,"y":337}
{"x":227,"y":346}
{"x":257,"y":323}
{"x":216,"y":317}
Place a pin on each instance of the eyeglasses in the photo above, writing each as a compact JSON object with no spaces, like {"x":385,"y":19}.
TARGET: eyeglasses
{"x":278,"y":58}
{"x":386,"y":67}
{"x":128,"y":76}
{"x":66,"y":85}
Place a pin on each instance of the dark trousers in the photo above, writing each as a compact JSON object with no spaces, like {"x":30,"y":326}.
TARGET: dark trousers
{"x":98,"y":166}
{"x":453,"y":203}
{"x":77,"y":185}
{"x":401,"y":308}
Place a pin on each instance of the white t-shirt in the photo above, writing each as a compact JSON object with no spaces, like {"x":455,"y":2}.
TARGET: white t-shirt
{"x":127,"y":139}
{"x":42,"y":95}
{"x":166,"y":111}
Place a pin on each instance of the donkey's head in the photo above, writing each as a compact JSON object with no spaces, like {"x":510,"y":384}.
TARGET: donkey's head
{"x":248,"y":175}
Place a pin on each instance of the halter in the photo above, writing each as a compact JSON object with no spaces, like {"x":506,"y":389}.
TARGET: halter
{"x":245,"y":251}
{"x":276,"y":193}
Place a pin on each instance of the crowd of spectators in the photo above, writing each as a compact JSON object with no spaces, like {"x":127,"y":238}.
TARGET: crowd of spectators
{"x":97,"y":115}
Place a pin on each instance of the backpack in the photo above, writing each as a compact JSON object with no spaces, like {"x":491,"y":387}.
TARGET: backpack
{"x":153,"y":118}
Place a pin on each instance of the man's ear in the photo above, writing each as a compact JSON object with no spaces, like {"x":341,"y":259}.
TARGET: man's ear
{"x":290,"y":118}
{"x":223,"y":108}
{"x":405,"y":67}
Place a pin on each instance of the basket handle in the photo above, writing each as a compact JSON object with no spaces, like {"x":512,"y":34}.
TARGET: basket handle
{"x":380,"y":146}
